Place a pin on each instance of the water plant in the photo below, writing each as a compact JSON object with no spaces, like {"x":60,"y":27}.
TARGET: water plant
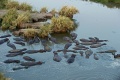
{"x":3,"y":78}
{"x":9,"y":18}
{"x":45,"y":30}
{"x":61,"y":24}
{"x":43,"y":10}
{"x":68,"y":11}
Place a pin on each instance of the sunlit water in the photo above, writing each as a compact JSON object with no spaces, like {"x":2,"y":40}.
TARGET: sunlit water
{"x":94,"y":20}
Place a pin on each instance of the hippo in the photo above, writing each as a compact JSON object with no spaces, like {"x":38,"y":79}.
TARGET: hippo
{"x":3,"y":40}
{"x":18,"y":68}
{"x":67,"y":45}
{"x":11,"y":61}
{"x":98,"y":40}
{"x":36,"y":39}
{"x":92,"y":39}
{"x":88,"y":53}
{"x":14,"y":54}
{"x":67,"y":39}
{"x":76,"y":42}
{"x":116,"y":56}
{"x":97,"y":45}
{"x":47,"y":48}
{"x":11,"y":45}
{"x":96,"y":57}
{"x":81,"y":53}
{"x":81,"y":46}
{"x":32,"y":51}
{"x":84,"y":40}
{"x":28,"y":64}
{"x":31,"y":41}
{"x":20,"y":43}
{"x":88,"y":43}
{"x":4,"y":36}
{"x":17,"y":50}
{"x":43,"y":42}
{"x":78,"y":48}
{"x":74,"y":36}
{"x":108,"y":51}
{"x":54,"y":40}
{"x":42,"y":50}
{"x":18,"y":39}
{"x":71,"y":59}
{"x":74,"y":51}
{"x":56,"y":57}
{"x":27,"y":58}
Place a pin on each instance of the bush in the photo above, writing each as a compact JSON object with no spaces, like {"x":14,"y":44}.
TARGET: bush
{"x":53,"y":12}
{"x":12,"y":4}
{"x":44,"y":10}
{"x":9,"y":18}
{"x":61,"y":24}
{"x":68,"y":11}
{"x":45,"y":30}
{"x":2,"y":4}
{"x":25,"y":7}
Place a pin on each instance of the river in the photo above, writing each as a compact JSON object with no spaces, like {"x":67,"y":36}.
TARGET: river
{"x":95,"y":20}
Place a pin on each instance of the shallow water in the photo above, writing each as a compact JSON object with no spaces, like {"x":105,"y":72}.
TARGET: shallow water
{"x":94,"y":20}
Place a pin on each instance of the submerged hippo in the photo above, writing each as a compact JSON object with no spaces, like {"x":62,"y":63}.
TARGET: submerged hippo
{"x":56,"y":57}
{"x":47,"y":48}
{"x":78,"y":48}
{"x":97,"y":45}
{"x":116,"y":56}
{"x":32,"y":51}
{"x":27,"y":58}
{"x":36,"y":39}
{"x":76,"y":42}
{"x":71,"y":59}
{"x":11,"y":61}
{"x":18,"y":68}
{"x":67,"y":45}
{"x":88,"y":43}
{"x":31,"y":63}
{"x":88,"y":53}
{"x":11,"y":45}
{"x":3,"y":40}
{"x":31,"y":41}
{"x":54,"y":40}
{"x":18,"y":39}
{"x":96,"y":57}
{"x":67,"y":39}
{"x":81,"y":53}
{"x":74,"y":36}
{"x":84,"y":40}
{"x":14,"y":54}
{"x":20,"y":43}
{"x":4,"y":36}
{"x":108,"y":51}
{"x":17,"y":50}
{"x":98,"y":40}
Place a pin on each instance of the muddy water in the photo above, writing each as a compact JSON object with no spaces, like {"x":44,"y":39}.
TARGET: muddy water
{"x":94,"y":20}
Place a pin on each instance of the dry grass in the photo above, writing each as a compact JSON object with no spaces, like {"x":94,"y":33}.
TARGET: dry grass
{"x":44,"y":10}
{"x":25,"y":7}
{"x":61,"y":24}
{"x":68,"y":11}
{"x":53,"y":12}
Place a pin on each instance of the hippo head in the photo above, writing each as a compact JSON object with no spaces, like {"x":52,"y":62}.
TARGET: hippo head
{"x":104,"y":44}
{"x":39,"y":62}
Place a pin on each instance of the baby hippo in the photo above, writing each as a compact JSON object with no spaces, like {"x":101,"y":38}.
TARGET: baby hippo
{"x":71,"y":59}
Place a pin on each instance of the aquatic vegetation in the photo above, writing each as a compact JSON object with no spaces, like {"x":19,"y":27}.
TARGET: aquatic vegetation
{"x":61,"y":24}
{"x":45,"y":30}
{"x":25,"y":7}
{"x":30,"y":33}
{"x":68,"y":11}
{"x":9,"y":18}
{"x":44,"y":10}
{"x":3,"y":78}
{"x":15,"y":4}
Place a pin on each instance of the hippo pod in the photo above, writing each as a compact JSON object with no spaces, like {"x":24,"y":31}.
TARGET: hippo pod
{"x":56,"y":57}
{"x":97,"y":45}
{"x":20,"y":43}
{"x":17,"y":50}
{"x":31,"y":63}
{"x":14,"y":54}
{"x":27,"y":58}
{"x":88,"y":53}
{"x":11,"y":61}
{"x":71,"y":59}
{"x":3,"y":40}
{"x":4,"y":36}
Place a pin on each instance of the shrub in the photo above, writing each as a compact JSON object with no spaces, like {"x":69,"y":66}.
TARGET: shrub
{"x":2,"y":4}
{"x":44,"y":10}
{"x":3,"y":78}
{"x":30,"y":33}
{"x":25,"y":6}
{"x":9,"y":18}
{"x":61,"y":24}
{"x":12,"y":4}
{"x":53,"y":12}
{"x":45,"y":30}
{"x":68,"y":11}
